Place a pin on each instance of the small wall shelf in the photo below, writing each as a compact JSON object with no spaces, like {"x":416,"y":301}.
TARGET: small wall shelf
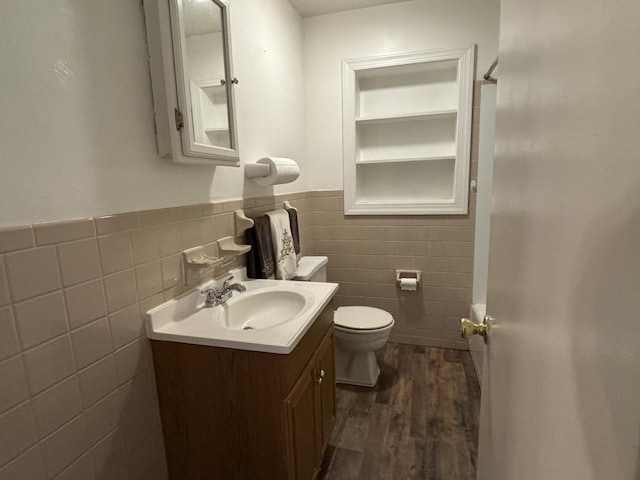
{"x":241,"y":222}
{"x":405,"y":118}
{"x":227,"y":246}
{"x":196,"y":262}
{"x":403,"y":160}
{"x":407,"y":132}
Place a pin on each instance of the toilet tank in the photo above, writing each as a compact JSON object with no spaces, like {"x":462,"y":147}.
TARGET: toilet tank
{"x":312,"y":269}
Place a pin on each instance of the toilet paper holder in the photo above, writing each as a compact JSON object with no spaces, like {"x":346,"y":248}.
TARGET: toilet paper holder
{"x":256,"y":170}
{"x":270,"y":171}
{"x":410,"y":274}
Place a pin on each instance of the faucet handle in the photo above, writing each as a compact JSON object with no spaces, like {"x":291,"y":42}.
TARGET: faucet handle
{"x":226,"y":282}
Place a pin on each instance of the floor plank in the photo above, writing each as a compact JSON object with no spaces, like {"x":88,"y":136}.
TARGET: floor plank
{"x":379,"y":424}
{"x":419,"y":422}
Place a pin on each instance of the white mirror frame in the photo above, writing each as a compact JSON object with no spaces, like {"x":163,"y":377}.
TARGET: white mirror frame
{"x":171,"y":89}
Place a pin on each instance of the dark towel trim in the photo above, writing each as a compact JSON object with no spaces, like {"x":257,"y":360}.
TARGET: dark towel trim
{"x":260,"y":259}
{"x":295,"y":232}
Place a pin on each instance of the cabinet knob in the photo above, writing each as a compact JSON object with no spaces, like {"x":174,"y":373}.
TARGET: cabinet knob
{"x":320,"y":377}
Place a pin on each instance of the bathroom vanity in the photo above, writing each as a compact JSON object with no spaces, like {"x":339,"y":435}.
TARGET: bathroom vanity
{"x":232,"y":414}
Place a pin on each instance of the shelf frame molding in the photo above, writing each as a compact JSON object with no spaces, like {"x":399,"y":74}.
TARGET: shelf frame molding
{"x":459,"y":201}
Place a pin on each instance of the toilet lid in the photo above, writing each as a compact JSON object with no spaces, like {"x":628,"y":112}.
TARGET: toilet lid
{"x":362,"y":318}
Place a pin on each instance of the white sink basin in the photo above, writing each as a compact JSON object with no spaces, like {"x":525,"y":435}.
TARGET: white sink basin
{"x":271,"y":316}
{"x":266,"y":308}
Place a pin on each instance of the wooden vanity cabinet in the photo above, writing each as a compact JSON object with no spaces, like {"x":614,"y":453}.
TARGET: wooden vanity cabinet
{"x":235,"y":414}
{"x":313,"y":396}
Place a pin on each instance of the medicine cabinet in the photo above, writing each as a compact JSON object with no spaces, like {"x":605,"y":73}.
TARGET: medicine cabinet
{"x":407,"y":132}
{"x":192,"y":80}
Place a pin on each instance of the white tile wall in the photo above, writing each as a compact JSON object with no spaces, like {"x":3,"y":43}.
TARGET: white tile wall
{"x":98,"y":380}
{"x":79,"y":261}
{"x":91,"y":342}
{"x":81,"y":469}
{"x":109,"y":452}
{"x":17,"y":431}
{"x":32,"y":272}
{"x":4,"y":289}
{"x":126,"y":325}
{"x":120,"y":290}
{"x":26,"y":466}
{"x":78,"y":397}
{"x":65,"y":445}
{"x":56,"y":406}
{"x":82,"y":402}
{"x":14,"y":383}
{"x":85,"y":303}
{"x":115,"y":252}
{"x":40,"y":319}
{"x":49,"y":363}
{"x":8,"y":336}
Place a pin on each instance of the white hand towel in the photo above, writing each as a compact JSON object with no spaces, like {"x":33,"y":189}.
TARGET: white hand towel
{"x":283,"y":244}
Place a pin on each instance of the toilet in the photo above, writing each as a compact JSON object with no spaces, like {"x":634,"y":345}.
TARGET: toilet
{"x":359,"y":331}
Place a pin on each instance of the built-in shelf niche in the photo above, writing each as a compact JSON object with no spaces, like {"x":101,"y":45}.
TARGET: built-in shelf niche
{"x":407,"y":132}
{"x":430,"y":137}
{"x":415,"y":88}
{"x":402,"y":183}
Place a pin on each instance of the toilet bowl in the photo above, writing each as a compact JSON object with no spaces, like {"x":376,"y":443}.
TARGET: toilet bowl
{"x":359,"y":331}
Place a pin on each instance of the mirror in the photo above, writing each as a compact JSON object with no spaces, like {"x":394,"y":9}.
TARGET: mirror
{"x":203,"y":81}
{"x":196,"y":35}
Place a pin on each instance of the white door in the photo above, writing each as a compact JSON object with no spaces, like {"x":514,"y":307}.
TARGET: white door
{"x":562,"y":394}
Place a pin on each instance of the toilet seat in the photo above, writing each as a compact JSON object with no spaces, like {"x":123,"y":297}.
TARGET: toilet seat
{"x":361,"y":318}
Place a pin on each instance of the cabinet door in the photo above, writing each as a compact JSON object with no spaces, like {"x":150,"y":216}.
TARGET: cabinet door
{"x":303,"y":431}
{"x":326,"y":381}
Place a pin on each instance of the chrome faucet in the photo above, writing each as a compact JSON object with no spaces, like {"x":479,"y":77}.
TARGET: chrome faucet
{"x":215,"y":297}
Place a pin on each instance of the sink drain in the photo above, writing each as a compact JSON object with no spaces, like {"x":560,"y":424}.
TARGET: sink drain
{"x":247,"y":327}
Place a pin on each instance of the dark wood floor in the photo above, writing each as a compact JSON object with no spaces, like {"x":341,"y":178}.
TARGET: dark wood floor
{"x":419,"y":422}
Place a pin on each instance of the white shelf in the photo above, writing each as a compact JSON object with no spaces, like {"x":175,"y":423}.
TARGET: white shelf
{"x":405,"y":182}
{"x":409,"y":117}
{"x":413,"y":87}
{"x":425,"y":137}
{"x":216,"y":130}
{"x":405,"y":160}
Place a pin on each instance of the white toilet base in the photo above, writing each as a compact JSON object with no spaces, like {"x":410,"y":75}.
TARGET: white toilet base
{"x":357,"y":368}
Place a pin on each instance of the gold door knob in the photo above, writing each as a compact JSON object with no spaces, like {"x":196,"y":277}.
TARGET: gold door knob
{"x":468,"y":329}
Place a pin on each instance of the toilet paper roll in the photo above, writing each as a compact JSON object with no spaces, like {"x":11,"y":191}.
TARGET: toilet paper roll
{"x":409,"y":284}
{"x":281,"y":170}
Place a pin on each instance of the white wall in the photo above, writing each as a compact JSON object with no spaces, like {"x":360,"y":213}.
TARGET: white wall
{"x":400,"y":27}
{"x":76,"y":115}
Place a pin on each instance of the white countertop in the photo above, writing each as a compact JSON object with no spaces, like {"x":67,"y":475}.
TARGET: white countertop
{"x":186,"y":320}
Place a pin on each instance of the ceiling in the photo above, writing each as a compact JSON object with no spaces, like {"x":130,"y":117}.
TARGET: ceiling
{"x":310,"y":8}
